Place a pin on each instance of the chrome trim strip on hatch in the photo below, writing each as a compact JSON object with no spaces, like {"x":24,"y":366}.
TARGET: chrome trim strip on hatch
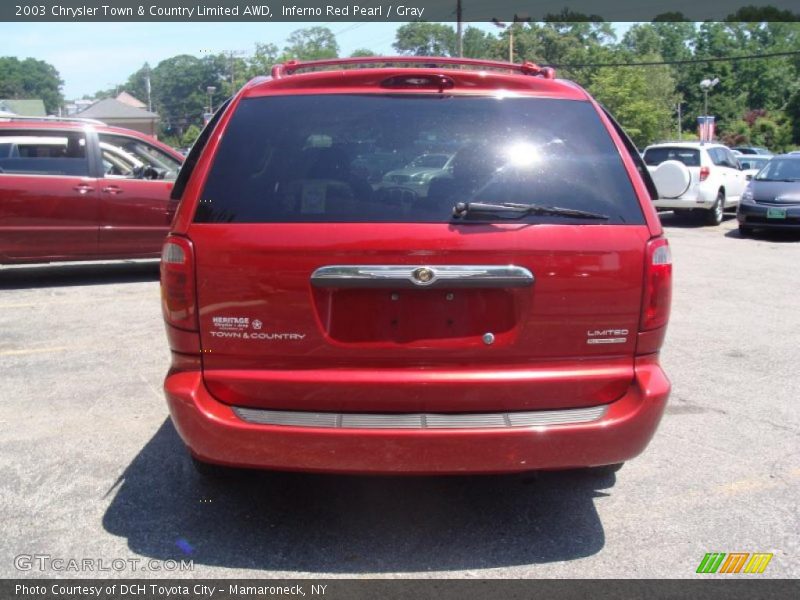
{"x":410,"y":276}
{"x":533,"y":418}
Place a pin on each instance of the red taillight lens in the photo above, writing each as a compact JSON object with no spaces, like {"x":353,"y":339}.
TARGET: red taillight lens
{"x":657,"y":285}
{"x":704,"y":171}
{"x":177,"y":283}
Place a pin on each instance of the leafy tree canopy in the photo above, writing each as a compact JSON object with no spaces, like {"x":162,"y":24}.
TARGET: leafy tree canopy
{"x":31,"y":78}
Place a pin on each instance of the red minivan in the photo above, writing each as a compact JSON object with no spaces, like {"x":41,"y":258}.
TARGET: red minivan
{"x":505,"y":316}
{"x":74,"y":189}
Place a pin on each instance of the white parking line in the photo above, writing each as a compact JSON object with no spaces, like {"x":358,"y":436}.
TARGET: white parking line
{"x":33,"y":351}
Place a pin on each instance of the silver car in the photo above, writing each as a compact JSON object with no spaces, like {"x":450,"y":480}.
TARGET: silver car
{"x":419,"y":173}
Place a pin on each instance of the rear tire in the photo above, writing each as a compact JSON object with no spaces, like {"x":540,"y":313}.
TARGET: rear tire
{"x":715,"y":214}
{"x":213,"y":471}
{"x":605,"y":469}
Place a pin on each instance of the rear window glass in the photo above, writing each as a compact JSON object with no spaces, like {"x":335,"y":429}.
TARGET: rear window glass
{"x":43,"y":153}
{"x":688,"y":156}
{"x":368,"y":158}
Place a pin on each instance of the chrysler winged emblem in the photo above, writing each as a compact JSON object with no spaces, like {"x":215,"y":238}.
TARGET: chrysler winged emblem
{"x":423,"y":276}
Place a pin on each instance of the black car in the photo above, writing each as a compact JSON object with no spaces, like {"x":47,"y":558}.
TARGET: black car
{"x":753,"y":150}
{"x":772,"y":198}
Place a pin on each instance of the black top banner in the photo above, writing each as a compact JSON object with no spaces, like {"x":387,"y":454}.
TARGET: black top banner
{"x":395,"y":10}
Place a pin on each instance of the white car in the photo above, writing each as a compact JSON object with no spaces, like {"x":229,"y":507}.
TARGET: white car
{"x":695,"y":176}
{"x":419,"y":173}
{"x":752,"y":164}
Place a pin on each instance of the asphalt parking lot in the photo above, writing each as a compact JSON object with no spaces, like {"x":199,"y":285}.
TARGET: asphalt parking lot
{"x":91,"y":466}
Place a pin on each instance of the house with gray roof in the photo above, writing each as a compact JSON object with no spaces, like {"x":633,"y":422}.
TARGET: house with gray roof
{"x":120,"y":114}
{"x":126,"y":98}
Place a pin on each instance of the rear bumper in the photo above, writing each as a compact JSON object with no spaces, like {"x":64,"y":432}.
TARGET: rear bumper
{"x":214,"y":433}
{"x":692,"y":200}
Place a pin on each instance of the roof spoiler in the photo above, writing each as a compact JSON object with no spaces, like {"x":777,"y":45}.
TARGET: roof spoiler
{"x":526,"y":68}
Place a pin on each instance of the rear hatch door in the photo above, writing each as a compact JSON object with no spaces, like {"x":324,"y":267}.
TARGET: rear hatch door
{"x":320,"y":291}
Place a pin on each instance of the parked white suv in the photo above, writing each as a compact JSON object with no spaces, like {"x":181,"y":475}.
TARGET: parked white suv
{"x":703,"y":177}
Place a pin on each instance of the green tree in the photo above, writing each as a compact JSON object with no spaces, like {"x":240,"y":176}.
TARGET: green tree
{"x":567,"y":45}
{"x":179,"y":89}
{"x":190,"y":135}
{"x":793,"y":116}
{"x":311,"y":43}
{"x":234,"y":71}
{"x":735,"y":133}
{"x":31,"y":78}
{"x":759,"y":128}
{"x":263,"y":59}
{"x":640,"y":98}
{"x":478,"y":43}
{"x":586,"y":28}
{"x":362,"y":52}
{"x":421,"y":38}
{"x":763,"y":14}
{"x":136,"y":85}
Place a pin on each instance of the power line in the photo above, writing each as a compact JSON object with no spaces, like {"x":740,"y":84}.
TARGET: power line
{"x":352,"y":27}
{"x":687,"y":61}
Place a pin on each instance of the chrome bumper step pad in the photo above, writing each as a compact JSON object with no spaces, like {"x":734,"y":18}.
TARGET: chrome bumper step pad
{"x":509,"y":420}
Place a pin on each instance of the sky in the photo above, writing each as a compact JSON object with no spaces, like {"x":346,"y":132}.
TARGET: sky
{"x":96,"y":56}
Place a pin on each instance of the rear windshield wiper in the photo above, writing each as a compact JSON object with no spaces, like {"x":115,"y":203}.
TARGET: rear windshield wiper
{"x":510,"y":210}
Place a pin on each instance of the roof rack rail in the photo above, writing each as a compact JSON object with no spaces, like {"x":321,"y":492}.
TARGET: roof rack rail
{"x":56,"y":119}
{"x":672,"y":141}
{"x":526,"y":68}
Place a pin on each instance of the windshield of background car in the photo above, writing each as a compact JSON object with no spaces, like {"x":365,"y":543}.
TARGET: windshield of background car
{"x":306,"y":158}
{"x":688,"y":156}
{"x":751,"y":162}
{"x":780,"y":169}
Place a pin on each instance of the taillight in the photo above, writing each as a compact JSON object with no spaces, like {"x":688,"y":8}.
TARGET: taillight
{"x":178,"y":302}
{"x":704,"y":171}
{"x":657,"y":285}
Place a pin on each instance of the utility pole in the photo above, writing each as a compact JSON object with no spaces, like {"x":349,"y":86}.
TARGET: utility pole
{"x":510,"y":28}
{"x":232,"y":55}
{"x":211,"y":89}
{"x":459,"y":38}
{"x":680,"y":131}
{"x":149,"y":94}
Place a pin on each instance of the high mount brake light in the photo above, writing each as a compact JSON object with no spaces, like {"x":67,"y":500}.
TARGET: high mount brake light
{"x":437,"y":82}
{"x":657,"y":295}
{"x":178,"y":301}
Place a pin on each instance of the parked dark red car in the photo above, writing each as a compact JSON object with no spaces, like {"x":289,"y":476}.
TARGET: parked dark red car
{"x":76,"y":190}
{"x":508,"y":320}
